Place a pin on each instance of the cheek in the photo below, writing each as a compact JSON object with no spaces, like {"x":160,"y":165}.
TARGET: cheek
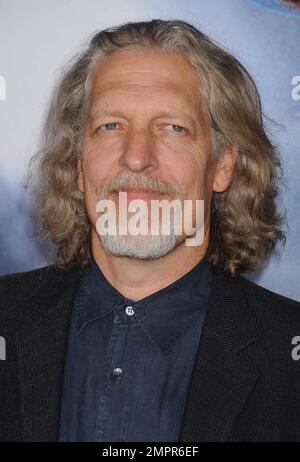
{"x":90,"y":199}
{"x":94,"y":171}
{"x":98,"y":164}
{"x":190,"y":170}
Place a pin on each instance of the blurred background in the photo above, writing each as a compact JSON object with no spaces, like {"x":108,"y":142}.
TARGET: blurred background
{"x":37,"y":37}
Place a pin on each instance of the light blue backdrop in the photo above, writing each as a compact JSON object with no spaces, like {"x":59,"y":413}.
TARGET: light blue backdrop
{"x":37,"y":37}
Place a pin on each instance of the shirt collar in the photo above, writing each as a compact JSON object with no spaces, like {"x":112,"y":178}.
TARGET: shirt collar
{"x":165,"y":315}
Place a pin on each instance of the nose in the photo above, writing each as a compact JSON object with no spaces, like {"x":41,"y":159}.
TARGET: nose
{"x":138,"y":153}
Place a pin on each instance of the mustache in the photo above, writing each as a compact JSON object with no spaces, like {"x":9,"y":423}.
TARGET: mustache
{"x":141,"y":181}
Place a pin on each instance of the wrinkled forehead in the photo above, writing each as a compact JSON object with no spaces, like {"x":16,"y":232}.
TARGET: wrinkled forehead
{"x":148,"y":78}
{"x":146,"y":65}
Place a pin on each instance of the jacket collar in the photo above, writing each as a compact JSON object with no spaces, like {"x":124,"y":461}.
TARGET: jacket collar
{"x":221,"y":381}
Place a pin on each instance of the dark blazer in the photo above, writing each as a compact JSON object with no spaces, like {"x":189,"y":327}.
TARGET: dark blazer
{"x":245,"y":384}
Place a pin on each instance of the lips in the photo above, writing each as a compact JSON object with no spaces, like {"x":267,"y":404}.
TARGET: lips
{"x":140,"y":193}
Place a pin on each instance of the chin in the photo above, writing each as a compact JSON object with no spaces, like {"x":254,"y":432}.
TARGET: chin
{"x":139,"y":247}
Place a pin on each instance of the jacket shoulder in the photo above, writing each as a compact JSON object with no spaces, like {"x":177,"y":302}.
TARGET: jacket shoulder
{"x":25,"y":283}
{"x":274,"y":303}
{"x":22,"y":292}
{"x":22,"y":276}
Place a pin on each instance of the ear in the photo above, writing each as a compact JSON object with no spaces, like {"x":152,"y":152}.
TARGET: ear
{"x":80,"y":183}
{"x":224,"y":169}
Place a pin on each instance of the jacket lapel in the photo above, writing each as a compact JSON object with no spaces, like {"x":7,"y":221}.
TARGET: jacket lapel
{"x":41,"y":349}
{"x":222,"y":377}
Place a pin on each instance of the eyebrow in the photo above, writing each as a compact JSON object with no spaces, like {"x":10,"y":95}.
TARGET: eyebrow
{"x":163,"y":114}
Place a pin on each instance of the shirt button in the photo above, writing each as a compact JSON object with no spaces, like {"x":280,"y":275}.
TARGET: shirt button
{"x":117,"y":374}
{"x":129,"y":311}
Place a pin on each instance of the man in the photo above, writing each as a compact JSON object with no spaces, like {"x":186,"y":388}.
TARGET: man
{"x":142,"y":336}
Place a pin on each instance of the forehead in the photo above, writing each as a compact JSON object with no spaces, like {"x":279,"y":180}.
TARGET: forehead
{"x":147,"y":76}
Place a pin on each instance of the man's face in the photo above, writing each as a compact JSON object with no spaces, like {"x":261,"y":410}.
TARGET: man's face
{"x":146,"y":129}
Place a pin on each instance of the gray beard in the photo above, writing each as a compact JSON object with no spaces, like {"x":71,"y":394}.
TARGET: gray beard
{"x":141,"y":247}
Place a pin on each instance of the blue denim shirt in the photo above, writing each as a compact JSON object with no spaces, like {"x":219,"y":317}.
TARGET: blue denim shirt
{"x":129,"y":364}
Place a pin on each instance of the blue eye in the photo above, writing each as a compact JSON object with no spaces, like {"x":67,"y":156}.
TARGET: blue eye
{"x":178,"y":126}
{"x":110,"y":126}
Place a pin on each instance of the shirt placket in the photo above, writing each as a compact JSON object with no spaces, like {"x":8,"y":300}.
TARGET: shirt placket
{"x":114,"y":408}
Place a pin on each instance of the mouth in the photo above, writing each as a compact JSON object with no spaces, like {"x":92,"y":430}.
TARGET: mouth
{"x":134,"y":193}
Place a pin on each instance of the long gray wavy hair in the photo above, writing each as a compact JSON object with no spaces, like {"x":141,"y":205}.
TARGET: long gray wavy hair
{"x":245,"y":221}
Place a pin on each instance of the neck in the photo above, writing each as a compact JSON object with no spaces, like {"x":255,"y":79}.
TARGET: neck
{"x":136,"y":279}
